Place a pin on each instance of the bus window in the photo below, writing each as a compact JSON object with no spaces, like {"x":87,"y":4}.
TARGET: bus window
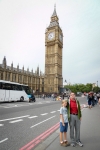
{"x":8,"y":86}
{"x":0,"y":85}
{"x":3,"y":86}
{"x":19,"y":87}
{"x":16,"y":87}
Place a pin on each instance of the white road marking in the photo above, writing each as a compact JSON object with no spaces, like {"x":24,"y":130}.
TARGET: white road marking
{"x":15,"y":118}
{"x":1,"y":125}
{"x":58,"y":110}
{"x":32,"y":117}
{"x":3,"y":140}
{"x":42,"y":121}
{"x":39,"y":103}
{"x":44,"y":114}
{"x":15,"y":106}
{"x":53,"y":112}
{"x":16,"y":121}
{"x":30,"y":104}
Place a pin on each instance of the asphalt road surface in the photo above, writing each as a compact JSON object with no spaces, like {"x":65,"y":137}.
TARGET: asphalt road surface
{"x":22,"y":122}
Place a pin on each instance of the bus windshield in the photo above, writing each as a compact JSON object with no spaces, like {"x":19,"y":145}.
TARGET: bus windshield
{"x":27,"y":90}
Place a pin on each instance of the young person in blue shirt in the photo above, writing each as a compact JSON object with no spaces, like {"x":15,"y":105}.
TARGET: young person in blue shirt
{"x":63,"y":124}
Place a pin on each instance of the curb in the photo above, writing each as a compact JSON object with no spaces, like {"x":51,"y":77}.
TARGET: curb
{"x":44,"y":144}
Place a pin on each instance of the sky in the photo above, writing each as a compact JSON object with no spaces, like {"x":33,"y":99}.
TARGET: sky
{"x":22,"y":36}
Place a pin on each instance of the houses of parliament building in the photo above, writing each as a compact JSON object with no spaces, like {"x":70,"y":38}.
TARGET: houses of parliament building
{"x":51,"y":81}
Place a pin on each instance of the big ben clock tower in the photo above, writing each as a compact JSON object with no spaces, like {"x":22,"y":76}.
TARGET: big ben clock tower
{"x":53,"y":56}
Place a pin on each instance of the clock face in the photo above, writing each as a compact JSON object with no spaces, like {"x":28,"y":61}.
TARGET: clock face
{"x":51,"y":35}
{"x":60,"y":37}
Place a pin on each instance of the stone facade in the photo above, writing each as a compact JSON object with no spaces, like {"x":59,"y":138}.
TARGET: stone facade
{"x":34,"y":80}
{"x":52,"y":80}
{"x":53,"y":56}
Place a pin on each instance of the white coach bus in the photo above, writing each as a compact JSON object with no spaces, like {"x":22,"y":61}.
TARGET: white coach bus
{"x":12,"y":91}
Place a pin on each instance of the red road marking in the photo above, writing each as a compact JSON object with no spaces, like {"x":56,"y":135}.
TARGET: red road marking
{"x":41,"y":137}
{"x":30,"y":147}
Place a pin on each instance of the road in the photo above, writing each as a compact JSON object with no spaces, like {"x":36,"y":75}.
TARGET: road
{"x":22,"y":122}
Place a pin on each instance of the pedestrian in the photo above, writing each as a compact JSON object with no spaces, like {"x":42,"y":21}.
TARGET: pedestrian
{"x":63,"y":95}
{"x":53,"y":97}
{"x":95,"y":98}
{"x":63,"y":124}
{"x":43,"y":96}
{"x":90,"y":100}
{"x":99,"y":102}
{"x":74,"y":116}
{"x":98,"y":98}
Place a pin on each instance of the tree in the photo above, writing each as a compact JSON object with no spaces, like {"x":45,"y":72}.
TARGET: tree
{"x":96,"y":89}
{"x":81,"y":88}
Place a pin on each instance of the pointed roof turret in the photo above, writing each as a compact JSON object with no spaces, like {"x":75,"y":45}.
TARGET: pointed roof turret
{"x":28,"y":69}
{"x":54,"y":13}
{"x":18,"y":67}
{"x":12,"y":66}
{"x":23,"y":68}
{"x":4,"y":62}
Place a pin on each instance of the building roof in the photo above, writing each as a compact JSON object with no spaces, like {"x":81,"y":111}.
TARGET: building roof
{"x":54,"y":23}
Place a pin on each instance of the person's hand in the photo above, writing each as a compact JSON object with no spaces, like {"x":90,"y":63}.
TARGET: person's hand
{"x":80,"y":118}
{"x":63,"y":124}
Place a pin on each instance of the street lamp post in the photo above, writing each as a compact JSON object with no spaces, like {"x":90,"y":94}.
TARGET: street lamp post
{"x":97,"y":83}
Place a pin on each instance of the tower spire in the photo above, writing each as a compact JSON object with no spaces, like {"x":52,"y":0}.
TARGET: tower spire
{"x":54,"y":12}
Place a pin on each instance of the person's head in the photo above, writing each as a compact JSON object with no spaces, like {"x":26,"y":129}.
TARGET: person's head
{"x":64,"y":102}
{"x":90,"y":94}
{"x":72,"y":95}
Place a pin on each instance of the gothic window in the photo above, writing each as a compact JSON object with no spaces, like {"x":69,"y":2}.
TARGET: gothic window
{"x":14,"y":77}
{"x":48,"y":81}
{"x":20,"y":78}
{"x":33,"y":80}
{"x":42,"y":89}
{"x":29,"y":79}
{"x":8,"y":76}
{"x":37,"y":81}
{"x":42,"y":81}
{"x":25,"y":79}
{"x":52,"y":50}
{"x":48,"y":70}
{"x":0,"y":75}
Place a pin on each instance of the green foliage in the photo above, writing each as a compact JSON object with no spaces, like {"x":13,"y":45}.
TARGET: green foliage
{"x":96,"y":89}
{"x":81,"y":88}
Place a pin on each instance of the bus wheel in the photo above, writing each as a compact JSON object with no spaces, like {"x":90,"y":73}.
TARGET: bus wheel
{"x":22,"y":99}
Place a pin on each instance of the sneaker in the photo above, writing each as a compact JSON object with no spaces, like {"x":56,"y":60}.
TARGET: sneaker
{"x":79,"y":143}
{"x":72,"y":144}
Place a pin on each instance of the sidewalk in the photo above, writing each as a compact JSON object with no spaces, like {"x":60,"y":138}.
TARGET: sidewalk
{"x":90,"y":133}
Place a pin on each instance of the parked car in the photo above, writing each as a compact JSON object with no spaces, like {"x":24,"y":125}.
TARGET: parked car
{"x":79,"y":93}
